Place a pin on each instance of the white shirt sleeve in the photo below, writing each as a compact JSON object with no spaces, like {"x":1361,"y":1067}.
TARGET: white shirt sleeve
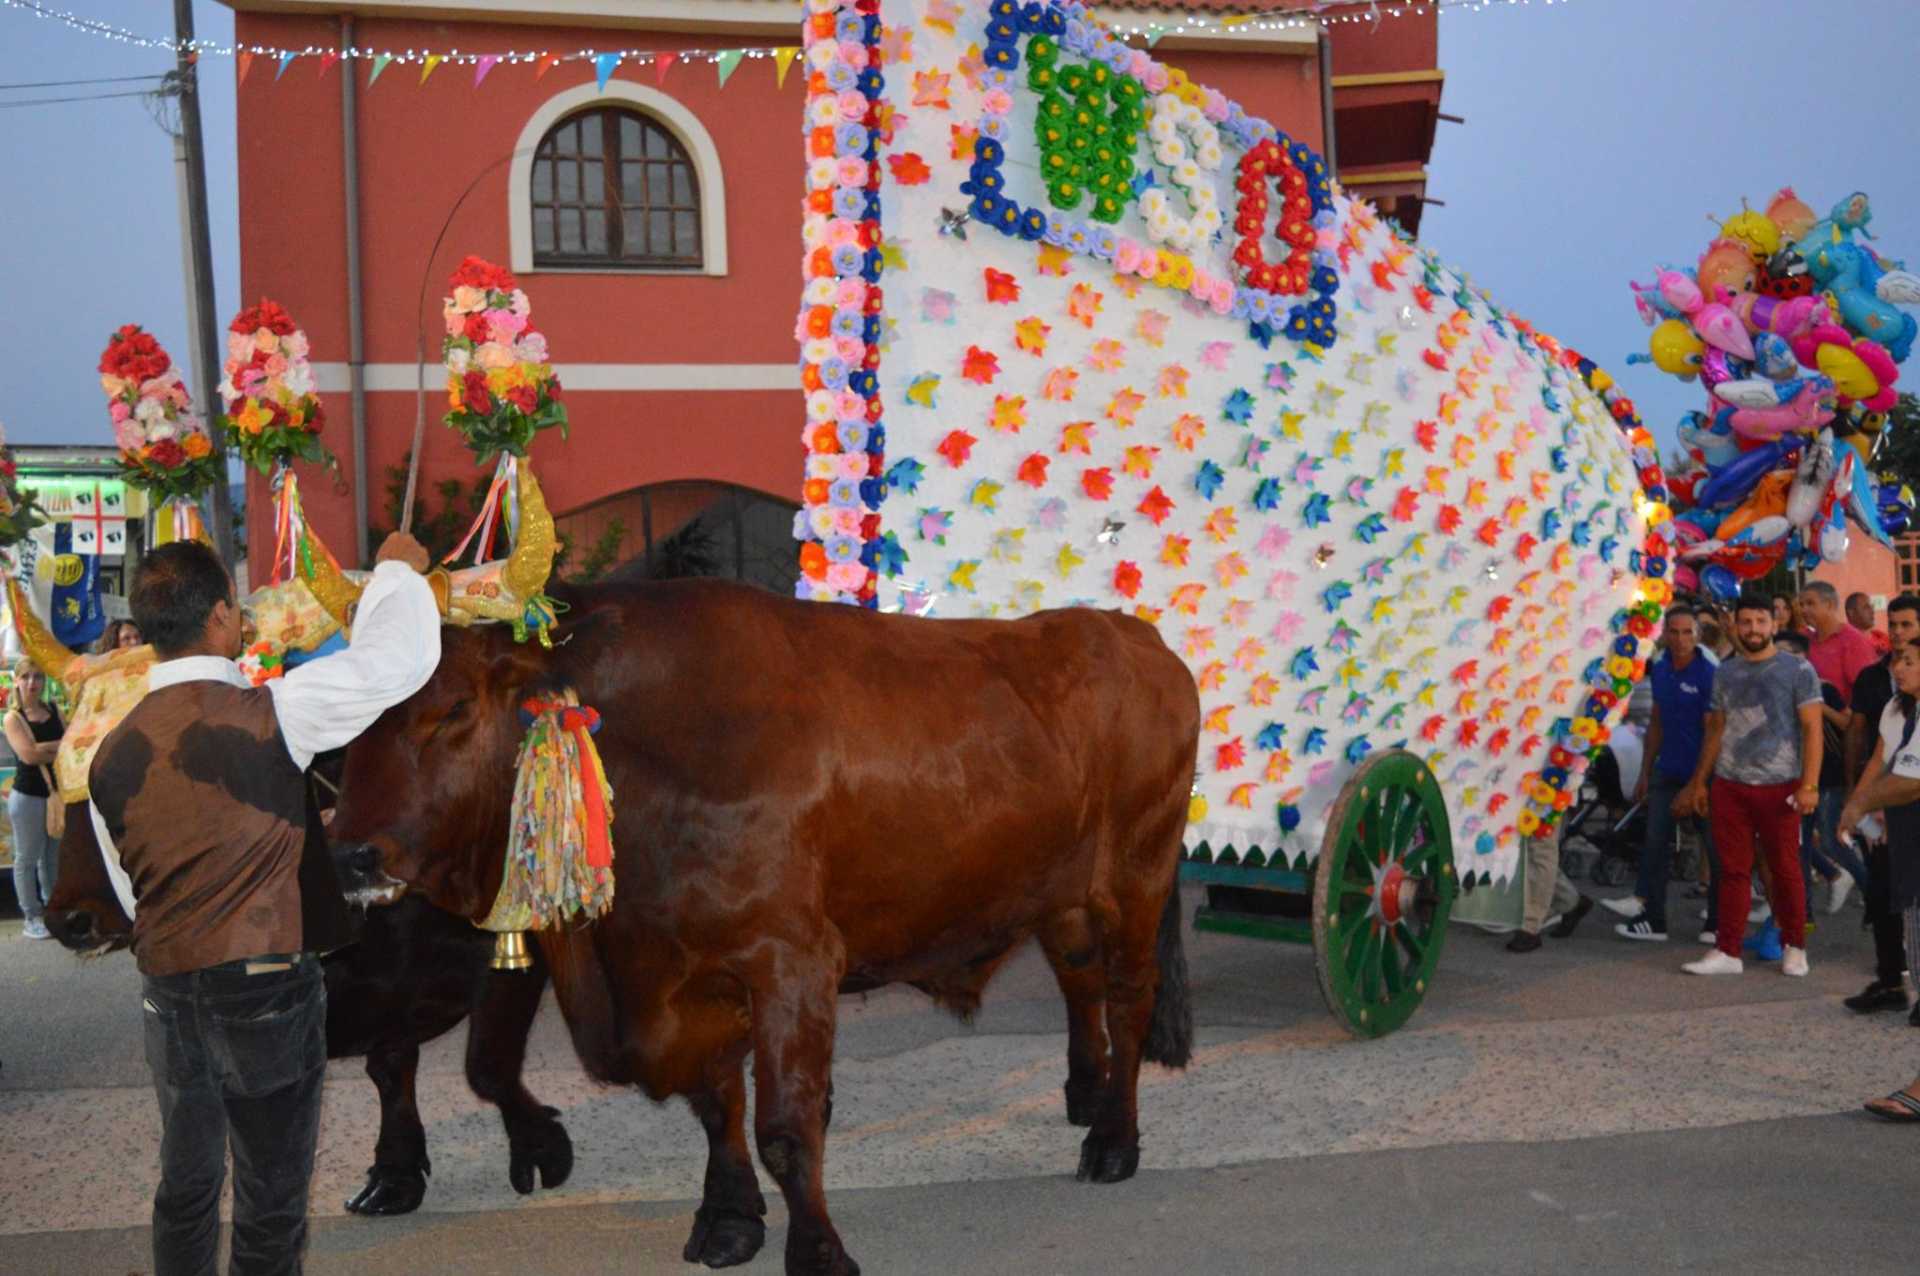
{"x":110,"y":854}
{"x":325,"y":703}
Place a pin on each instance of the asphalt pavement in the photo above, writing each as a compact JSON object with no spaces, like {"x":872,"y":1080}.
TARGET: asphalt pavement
{"x":1583,"y":1106}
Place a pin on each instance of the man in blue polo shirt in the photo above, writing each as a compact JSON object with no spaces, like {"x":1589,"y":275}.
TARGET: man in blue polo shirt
{"x":1682,"y":693}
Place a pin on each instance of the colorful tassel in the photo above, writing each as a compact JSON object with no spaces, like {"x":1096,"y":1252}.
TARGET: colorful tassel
{"x":560,"y":838}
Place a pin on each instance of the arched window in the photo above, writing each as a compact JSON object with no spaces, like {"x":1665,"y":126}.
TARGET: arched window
{"x":612,"y":187}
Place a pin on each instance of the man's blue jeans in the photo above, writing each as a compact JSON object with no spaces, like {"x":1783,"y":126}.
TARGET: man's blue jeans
{"x":237,"y":1061}
{"x":1656,"y":859}
{"x":1821,"y":836}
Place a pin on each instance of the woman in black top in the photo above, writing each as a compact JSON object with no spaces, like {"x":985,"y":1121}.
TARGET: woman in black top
{"x":33,"y":730}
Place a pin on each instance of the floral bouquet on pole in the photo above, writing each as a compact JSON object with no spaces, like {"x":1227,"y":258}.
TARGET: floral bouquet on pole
{"x":501,"y":390}
{"x":164,"y":446}
{"x":273,"y":416}
{"x":20,"y":512}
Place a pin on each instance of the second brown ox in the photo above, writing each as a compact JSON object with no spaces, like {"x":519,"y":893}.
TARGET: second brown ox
{"x":814,"y":799}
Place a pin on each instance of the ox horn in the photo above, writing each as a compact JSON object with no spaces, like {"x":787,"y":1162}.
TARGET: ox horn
{"x":329,"y":586}
{"x":52,"y":656}
{"x":530,"y":564}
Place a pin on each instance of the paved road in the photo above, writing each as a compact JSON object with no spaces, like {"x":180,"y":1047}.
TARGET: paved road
{"x":1585,"y":1104}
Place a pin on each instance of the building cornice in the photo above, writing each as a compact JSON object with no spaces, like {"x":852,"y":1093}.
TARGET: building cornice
{"x":733,"y":18}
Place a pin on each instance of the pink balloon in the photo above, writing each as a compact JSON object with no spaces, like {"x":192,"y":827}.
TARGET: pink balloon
{"x":1720,"y":328}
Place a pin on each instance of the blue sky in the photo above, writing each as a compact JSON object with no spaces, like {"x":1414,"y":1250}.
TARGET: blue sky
{"x":1599,"y":136}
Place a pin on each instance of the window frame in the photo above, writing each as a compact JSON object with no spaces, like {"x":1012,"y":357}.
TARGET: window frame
{"x":665,"y":112}
{"x":611,"y":119}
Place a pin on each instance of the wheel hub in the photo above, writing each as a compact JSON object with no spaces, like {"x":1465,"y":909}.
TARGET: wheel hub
{"x":1396,"y":892}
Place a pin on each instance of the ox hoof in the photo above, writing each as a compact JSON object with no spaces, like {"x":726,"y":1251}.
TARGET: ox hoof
{"x":1082,"y":1102}
{"x":1104,"y":1162}
{"x":389,"y":1191}
{"x":724,"y":1238}
{"x":542,"y":1144}
{"x":822,"y":1258}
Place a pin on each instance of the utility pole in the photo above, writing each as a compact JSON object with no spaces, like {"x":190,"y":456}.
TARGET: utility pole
{"x":206,"y":349}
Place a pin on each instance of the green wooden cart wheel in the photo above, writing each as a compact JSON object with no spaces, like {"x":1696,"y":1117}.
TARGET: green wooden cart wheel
{"x":1382,"y":891}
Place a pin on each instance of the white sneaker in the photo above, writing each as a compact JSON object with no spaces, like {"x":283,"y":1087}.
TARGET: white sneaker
{"x":1759,"y":912}
{"x":1715,"y":963}
{"x":35,"y":929}
{"x":1837,"y":893}
{"x":1709,"y":937}
{"x":1794,"y":962}
{"x":1628,"y":906}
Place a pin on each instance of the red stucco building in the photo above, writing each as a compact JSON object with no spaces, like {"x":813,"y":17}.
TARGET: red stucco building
{"x":655,"y":224}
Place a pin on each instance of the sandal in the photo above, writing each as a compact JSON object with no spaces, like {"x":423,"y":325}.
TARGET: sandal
{"x":1908,"y":1107}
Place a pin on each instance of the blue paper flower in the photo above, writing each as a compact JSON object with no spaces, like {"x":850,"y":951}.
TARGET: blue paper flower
{"x":1370,"y":527}
{"x":1358,"y":749}
{"x":1303,"y":664}
{"x":1208,"y":479}
{"x":1334,"y":595}
{"x":1316,"y":513}
{"x":1267,"y":495}
{"x":1239,"y":407}
{"x":1315,"y":743}
{"x":1271,"y":736}
{"x":906,"y":474}
{"x":890,"y":554}
{"x":1289,"y":817}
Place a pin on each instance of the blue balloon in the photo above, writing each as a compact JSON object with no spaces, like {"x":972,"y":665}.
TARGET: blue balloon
{"x":1729,"y":485}
{"x":1719,"y":582}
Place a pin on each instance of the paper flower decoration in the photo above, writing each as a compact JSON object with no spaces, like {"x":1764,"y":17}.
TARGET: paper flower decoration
{"x":501,"y":389}
{"x":20,"y":513}
{"x":273,"y":416}
{"x":164,"y":446}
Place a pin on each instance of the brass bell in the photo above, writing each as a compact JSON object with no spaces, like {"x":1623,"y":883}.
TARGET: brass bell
{"x":510,"y":951}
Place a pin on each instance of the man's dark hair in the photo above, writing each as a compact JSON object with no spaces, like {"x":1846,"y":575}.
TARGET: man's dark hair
{"x":174,"y":592}
{"x":1904,"y":602}
{"x":1750,"y":600}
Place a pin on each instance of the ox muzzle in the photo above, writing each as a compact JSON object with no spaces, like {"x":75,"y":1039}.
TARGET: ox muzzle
{"x":79,"y":930}
{"x":357,"y":866}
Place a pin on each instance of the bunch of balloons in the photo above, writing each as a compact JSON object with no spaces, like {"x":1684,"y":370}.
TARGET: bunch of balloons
{"x":1793,"y":325}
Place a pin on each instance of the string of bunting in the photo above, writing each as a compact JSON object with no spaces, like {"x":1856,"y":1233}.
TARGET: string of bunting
{"x":1309,"y":14}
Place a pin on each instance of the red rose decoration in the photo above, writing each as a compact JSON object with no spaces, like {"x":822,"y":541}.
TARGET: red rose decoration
{"x":167,"y":454}
{"x":474,"y":391}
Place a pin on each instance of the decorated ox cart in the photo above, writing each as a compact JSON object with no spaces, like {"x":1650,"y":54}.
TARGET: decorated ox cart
{"x":1079,"y":331}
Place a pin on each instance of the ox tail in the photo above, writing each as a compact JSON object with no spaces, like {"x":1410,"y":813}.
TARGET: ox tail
{"x":1170,"y":1030}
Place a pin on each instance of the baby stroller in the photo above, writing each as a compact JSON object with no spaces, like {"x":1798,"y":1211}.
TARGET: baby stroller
{"x":1605,"y":829}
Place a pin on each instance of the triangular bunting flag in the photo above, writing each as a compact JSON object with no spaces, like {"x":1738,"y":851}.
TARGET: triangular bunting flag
{"x":327,"y":60}
{"x":661,"y":61}
{"x":286,"y":60}
{"x":379,"y":65}
{"x":783,"y":63}
{"x":603,"y":66}
{"x":547,"y":62}
{"x":246,"y":65}
{"x":433,"y":61}
{"x":483,"y":66}
{"x":727,"y":61}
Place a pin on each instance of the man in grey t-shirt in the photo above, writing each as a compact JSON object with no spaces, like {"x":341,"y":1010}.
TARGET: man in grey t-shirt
{"x":1762,"y":750}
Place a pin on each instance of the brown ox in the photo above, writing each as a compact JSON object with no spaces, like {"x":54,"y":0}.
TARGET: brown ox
{"x":813,"y":799}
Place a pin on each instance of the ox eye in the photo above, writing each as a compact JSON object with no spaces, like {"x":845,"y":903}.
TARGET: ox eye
{"x":456,"y":712}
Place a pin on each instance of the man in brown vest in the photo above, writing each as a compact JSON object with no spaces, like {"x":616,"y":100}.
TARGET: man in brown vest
{"x":200,"y":795}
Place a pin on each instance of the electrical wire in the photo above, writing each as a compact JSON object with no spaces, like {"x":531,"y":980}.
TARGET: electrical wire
{"x":61,"y":84}
{"x":88,"y":97}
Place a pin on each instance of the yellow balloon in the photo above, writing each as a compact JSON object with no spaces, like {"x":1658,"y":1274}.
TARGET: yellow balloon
{"x":1675,"y":348}
{"x":1849,"y":375}
{"x":1755,"y":230}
